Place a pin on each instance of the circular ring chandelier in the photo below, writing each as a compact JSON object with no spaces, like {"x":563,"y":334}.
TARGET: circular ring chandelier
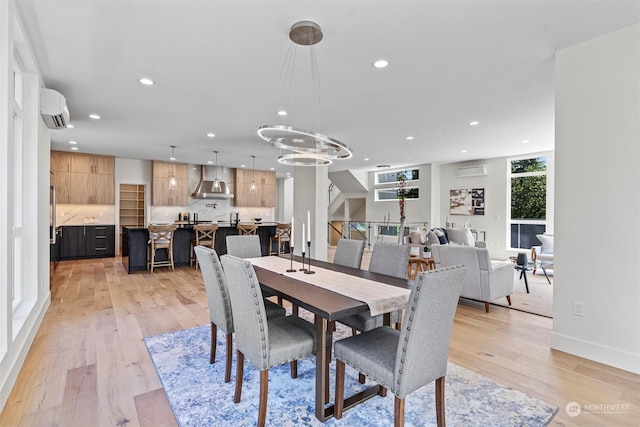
{"x":309,"y":148}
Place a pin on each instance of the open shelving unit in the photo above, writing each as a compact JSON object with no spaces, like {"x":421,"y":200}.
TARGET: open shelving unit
{"x":132,"y":205}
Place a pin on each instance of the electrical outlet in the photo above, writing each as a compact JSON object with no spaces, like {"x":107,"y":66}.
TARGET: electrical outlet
{"x":578,"y":308}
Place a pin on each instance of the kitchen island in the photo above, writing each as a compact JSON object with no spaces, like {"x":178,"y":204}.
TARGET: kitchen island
{"x":135,"y":243}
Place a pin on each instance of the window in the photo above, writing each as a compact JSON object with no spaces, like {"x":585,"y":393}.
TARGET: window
{"x":392,"y":177}
{"x":392,"y":193}
{"x":528,"y":207}
{"x":17,"y":279}
{"x":411,"y":190}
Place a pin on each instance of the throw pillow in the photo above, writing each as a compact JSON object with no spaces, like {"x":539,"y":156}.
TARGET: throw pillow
{"x":547,"y":243}
{"x":432,"y":238}
{"x":461,"y":236}
{"x":415,"y":237}
{"x":442,"y":238}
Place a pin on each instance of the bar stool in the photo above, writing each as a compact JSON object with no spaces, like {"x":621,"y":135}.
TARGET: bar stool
{"x":283,"y":234}
{"x":160,"y":237}
{"x":247,"y":229}
{"x":205,"y":236}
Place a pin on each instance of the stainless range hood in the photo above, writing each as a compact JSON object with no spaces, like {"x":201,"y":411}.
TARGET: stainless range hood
{"x":207,"y":190}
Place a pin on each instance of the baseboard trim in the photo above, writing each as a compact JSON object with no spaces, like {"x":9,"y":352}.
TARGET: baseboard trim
{"x":596,"y":352}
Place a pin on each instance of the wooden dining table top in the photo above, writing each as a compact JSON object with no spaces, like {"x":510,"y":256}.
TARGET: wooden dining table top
{"x":323,"y":302}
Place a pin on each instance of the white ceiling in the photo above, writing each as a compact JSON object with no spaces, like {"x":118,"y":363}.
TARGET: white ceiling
{"x":216,"y":65}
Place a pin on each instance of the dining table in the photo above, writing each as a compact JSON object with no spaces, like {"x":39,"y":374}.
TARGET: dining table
{"x":331,"y":292}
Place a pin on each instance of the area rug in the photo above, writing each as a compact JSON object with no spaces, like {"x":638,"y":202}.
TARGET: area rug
{"x":199,"y":397}
{"x":538,"y":301}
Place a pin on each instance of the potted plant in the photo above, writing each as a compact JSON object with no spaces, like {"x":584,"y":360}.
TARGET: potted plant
{"x":426,"y":251}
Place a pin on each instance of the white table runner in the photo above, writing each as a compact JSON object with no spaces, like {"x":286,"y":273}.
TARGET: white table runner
{"x":380,"y":297}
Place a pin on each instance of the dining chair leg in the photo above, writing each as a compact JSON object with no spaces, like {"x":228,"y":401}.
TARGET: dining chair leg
{"x":354,"y":332}
{"x":214,"y":332}
{"x":382,"y":392}
{"x":294,"y":368}
{"x":509,"y":299}
{"x":339,"y":396}
{"x":229,"y":353}
{"x":264,"y":392}
{"x":294,"y":309}
{"x":361,"y":378}
{"x":239,"y":374}
{"x":486,"y":306}
{"x":440,"y":420}
{"x":398,"y":412}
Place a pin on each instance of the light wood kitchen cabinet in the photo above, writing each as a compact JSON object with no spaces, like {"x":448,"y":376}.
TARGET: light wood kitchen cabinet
{"x":83,"y":178}
{"x":265,"y":194}
{"x":85,"y":163}
{"x":161,"y":193}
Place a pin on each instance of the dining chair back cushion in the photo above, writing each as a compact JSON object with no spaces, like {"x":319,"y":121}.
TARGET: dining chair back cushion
{"x":244,"y":246}
{"x":390,"y":259}
{"x":264,"y":343}
{"x":215,"y":284}
{"x":349,"y":253}
{"x":406,"y":360}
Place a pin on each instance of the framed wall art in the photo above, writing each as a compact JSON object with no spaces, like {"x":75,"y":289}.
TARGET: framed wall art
{"x":467,"y":201}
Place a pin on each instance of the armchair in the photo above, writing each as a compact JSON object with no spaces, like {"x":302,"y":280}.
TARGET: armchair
{"x":543,"y":252}
{"x":486,"y":281}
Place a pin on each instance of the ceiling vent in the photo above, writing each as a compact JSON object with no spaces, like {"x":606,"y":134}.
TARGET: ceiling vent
{"x":53,"y":109}
{"x":469,"y":171}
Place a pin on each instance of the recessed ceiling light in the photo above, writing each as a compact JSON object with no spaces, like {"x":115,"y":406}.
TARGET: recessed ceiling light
{"x":282,"y":113}
{"x":272,"y":169}
{"x":75,"y":148}
{"x":70,"y":126}
{"x":409,"y":138}
{"x":243,"y":166}
{"x":210,"y":162}
{"x":145,"y":81}
{"x":211,"y":135}
{"x":463,"y":151}
{"x":381,"y":63}
{"x":474,"y":123}
{"x":72,"y":142}
{"x":366,"y":159}
{"x":525,"y":141}
{"x":172,"y":158}
{"x":94,"y":116}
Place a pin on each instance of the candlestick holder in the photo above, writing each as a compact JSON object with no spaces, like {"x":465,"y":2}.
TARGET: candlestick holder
{"x":309,"y":248}
{"x":291,"y":270}
{"x":302,"y":269}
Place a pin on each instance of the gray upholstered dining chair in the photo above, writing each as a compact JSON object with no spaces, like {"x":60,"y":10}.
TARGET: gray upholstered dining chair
{"x":349,"y":253}
{"x":390,"y":259}
{"x":404,"y":361}
{"x":265,"y":343}
{"x":243,"y":246}
{"x":220,"y":312}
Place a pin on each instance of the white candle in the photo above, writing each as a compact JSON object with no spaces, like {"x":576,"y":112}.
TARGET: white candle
{"x":302,"y":238}
{"x":309,"y":225}
{"x":291,"y":237}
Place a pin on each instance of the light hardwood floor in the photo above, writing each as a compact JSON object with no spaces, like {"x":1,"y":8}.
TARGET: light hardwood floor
{"x":89,"y":366}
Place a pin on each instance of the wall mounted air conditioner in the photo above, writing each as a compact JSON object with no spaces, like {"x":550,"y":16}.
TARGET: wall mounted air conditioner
{"x":53,"y":109}
{"x":468,"y":171}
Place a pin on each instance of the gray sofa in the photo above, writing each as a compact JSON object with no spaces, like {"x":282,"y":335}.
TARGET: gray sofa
{"x":485,"y":281}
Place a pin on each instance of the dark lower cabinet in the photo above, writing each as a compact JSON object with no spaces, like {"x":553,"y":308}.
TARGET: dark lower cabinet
{"x":87,"y":241}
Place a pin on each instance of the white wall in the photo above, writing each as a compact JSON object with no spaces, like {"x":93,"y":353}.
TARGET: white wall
{"x":495,"y":219}
{"x":416,"y":210}
{"x":597,"y":229}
